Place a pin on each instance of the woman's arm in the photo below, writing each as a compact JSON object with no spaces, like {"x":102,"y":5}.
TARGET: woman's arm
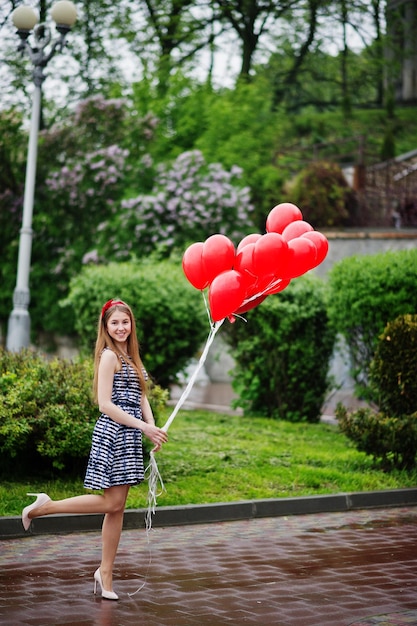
{"x":155,"y":434}
{"x":107,"y":368}
{"x":147,"y":411}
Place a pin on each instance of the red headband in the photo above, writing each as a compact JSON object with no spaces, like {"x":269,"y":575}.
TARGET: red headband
{"x":110,"y":303}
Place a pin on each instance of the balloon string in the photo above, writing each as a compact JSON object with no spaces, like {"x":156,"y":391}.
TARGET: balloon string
{"x":271,"y":285}
{"x":154,"y":479}
{"x":154,"y":476}
{"x":214,"y":328}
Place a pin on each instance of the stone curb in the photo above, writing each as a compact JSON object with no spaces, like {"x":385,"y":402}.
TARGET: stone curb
{"x":11,"y":527}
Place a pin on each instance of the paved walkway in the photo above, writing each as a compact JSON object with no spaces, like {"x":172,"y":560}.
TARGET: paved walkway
{"x":351,"y":568}
{"x":329,"y":569}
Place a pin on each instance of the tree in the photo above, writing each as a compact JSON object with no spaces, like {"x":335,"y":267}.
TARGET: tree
{"x":401,"y":18}
{"x":299,"y":57}
{"x":181,"y":28}
{"x":252,"y":19}
{"x":377,"y":49}
{"x":95,"y":53}
{"x":318,"y":33}
{"x":80,"y":176}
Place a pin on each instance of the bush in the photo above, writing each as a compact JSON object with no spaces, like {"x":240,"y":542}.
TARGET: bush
{"x":282,"y":354}
{"x":390,"y":435}
{"x":393,"y":369}
{"x":47,"y":413}
{"x":321,"y":189}
{"x":366,"y":292}
{"x":171,"y":319}
{"x":391,"y":441}
{"x":190,"y":200}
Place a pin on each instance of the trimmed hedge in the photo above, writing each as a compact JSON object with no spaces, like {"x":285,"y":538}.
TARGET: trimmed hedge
{"x":391,"y":441}
{"x":390,"y":434}
{"x":366,"y":292}
{"x":47,"y":413}
{"x":393,"y":369}
{"x":170,"y":315}
{"x":282,"y":354}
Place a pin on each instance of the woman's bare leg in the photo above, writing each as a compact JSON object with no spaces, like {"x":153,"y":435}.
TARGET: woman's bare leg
{"x":88,"y":503}
{"x":111,"y":531}
{"x":112,"y":503}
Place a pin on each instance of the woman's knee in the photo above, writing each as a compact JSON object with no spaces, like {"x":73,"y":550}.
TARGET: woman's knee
{"x":116,"y":500}
{"x":114,"y":506}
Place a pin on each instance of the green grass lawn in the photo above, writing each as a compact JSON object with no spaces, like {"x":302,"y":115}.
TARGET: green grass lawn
{"x":213,"y":457}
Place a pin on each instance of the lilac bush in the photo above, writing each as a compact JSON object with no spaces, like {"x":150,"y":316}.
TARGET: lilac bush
{"x":90,"y":180}
{"x":190,"y":201}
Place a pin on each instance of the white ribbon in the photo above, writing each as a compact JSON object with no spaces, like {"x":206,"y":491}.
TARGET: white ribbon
{"x":154,"y":476}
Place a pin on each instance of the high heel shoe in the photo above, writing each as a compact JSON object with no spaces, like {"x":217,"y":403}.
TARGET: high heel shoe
{"x":41,"y":498}
{"x":109,"y":595}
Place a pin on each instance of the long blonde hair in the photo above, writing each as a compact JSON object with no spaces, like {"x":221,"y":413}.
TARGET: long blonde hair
{"x":105,"y":341}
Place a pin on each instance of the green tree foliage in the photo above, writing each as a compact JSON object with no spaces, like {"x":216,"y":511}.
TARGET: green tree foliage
{"x":240,"y":127}
{"x":156,"y":37}
{"x":366,"y":292}
{"x":171,"y":319}
{"x":282,"y":354}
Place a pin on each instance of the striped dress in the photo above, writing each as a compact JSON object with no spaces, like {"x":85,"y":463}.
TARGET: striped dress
{"x":116,"y":456}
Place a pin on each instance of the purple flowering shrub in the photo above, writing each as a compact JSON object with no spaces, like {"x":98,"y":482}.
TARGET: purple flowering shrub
{"x":92,"y":179}
{"x":83,"y":165}
{"x":83,"y":192}
{"x":190,"y":201}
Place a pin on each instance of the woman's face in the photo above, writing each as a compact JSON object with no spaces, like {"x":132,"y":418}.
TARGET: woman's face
{"x":119,"y":326}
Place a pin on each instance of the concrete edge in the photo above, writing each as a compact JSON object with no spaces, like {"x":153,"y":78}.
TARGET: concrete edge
{"x":11,"y":527}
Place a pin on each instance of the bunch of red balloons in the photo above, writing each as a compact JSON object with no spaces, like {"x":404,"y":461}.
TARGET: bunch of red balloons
{"x":240,"y":279}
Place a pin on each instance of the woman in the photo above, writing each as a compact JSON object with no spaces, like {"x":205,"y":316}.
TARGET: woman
{"x":116,"y":457}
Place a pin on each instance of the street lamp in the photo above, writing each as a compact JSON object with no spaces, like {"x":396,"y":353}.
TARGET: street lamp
{"x":25,"y":19}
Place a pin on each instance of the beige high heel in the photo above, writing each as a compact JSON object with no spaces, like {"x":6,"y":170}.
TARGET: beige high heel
{"x":41,"y":498}
{"x":109,"y":595}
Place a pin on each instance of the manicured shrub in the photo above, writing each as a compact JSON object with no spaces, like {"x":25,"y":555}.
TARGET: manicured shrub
{"x":394,"y":366}
{"x":389,"y":435}
{"x":47,"y":413}
{"x":282,"y":354}
{"x":366,"y":292}
{"x":391,"y":441}
{"x":171,"y":318}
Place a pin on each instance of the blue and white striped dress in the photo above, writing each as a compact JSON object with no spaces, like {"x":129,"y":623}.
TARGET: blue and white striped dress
{"x":116,"y":456}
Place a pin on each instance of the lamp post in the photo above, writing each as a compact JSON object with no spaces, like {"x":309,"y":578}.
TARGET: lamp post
{"x":44,"y":48}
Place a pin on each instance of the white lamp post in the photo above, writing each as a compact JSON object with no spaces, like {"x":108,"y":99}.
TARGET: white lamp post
{"x":25,"y":19}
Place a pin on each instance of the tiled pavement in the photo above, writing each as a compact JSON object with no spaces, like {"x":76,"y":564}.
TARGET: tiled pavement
{"x":326,"y":569}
